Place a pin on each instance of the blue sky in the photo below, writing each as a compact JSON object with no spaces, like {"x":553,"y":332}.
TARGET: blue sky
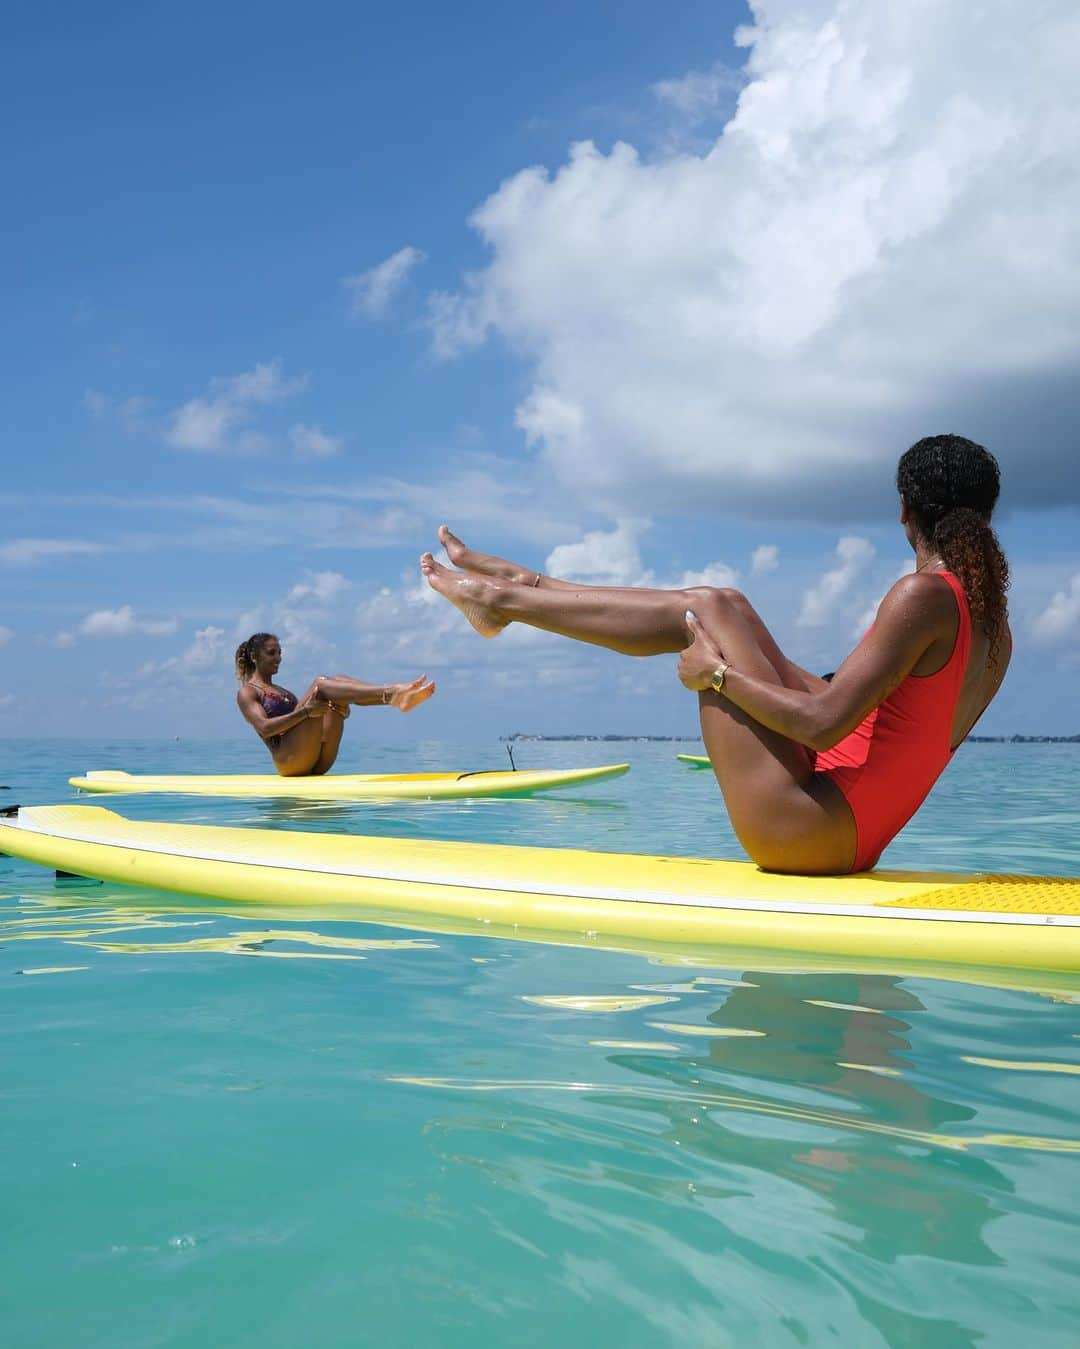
{"x":628,"y":291}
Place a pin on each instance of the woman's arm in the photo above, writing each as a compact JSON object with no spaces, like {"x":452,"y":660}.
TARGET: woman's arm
{"x":914,"y":614}
{"x":255,"y":713}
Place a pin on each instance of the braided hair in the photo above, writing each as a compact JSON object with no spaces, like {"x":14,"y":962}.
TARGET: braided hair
{"x":247,"y":653}
{"x":950,"y":485}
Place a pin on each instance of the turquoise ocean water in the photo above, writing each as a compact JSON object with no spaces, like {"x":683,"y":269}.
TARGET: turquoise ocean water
{"x":250,"y":1129}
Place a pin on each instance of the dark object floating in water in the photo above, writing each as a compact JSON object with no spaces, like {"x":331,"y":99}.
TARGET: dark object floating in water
{"x":9,"y":812}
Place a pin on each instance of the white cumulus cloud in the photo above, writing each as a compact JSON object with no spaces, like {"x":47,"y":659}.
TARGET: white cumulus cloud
{"x":6,"y":635}
{"x":202,"y":671}
{"x":700,"y":92}
{"x":307,"y":618}
{"x":312,"y":442}
{"x":713,"y":574}
{"x":321,"y":587}
{"x":869,"y":611}
{"x":611,"y":558}
{"x":880,"y":245}
{"x":821,"y":601}
{"x":220,"y":420}
{"x":764,"y":560}
{"x":202,"y":665}
{"x":124,"y":622}
{"x":1061,"y":617}
{"x":372,"y":291}
{"x":204,"y":654}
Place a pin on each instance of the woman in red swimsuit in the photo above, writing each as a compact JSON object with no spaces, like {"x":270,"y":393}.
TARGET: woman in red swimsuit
{"x":304,"y":734}
{"x":818,"y":776}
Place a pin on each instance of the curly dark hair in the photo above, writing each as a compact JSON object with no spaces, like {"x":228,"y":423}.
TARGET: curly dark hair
{"x":247,"y":653}
{"x":950,"y":485}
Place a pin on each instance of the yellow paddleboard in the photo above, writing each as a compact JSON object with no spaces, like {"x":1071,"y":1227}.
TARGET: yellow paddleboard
{"x":1012,"y":922}
{"x":695,"y":760}
{"x":354,"y":786}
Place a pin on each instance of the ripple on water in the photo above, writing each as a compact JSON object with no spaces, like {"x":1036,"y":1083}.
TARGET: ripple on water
{"x":453,"y":1139}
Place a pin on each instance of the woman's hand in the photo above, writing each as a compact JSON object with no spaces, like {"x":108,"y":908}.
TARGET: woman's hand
{"x":313,"y":703}
{"x":701,"y":658}
{"x":407,"y":696}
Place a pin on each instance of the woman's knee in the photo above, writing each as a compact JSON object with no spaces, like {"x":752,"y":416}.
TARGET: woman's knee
{"x":322,"y":684}
{"x":713,"y":599}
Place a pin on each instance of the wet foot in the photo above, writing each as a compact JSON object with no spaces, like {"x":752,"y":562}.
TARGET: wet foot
{"x":412,"y":695}
{"x":470,"y":560}
{"x":473,"y":595}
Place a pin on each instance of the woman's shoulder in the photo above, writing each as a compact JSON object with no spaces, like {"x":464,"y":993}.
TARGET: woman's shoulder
{"x":923,"y":590}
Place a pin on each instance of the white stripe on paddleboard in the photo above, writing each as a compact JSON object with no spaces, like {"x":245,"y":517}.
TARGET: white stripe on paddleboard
{"x":568,"y":892}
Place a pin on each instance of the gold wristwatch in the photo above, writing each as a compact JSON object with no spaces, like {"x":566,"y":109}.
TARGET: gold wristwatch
{"x":716,"y":682}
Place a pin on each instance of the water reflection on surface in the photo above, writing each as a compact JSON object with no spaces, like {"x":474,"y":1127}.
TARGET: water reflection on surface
{"x":797,"y":1122}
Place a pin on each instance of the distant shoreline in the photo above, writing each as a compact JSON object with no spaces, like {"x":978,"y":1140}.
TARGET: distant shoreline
{"x":687,"y":739}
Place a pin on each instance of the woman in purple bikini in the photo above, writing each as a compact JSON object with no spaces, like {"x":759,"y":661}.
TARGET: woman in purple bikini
{"x":303,"y":735}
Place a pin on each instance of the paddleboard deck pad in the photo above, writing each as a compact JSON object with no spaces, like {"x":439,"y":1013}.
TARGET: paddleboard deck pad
{"x":1013,"y":922}
{"x":354,"y":786}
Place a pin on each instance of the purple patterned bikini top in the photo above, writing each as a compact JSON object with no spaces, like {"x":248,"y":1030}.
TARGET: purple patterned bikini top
{"x":275,"y":702}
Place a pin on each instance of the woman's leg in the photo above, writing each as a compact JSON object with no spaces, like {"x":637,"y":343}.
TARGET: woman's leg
{"x":333,"y":724}
{"x":343,"y":690}
{"x":298,"y":752}
{"x":468,"y":559}
{"x":786,"y":816}
{"x":634,"y":622}
{"x":485,"y":564}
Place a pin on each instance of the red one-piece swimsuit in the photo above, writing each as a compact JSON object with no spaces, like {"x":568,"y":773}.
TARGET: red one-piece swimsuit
{"x":887,"y":765}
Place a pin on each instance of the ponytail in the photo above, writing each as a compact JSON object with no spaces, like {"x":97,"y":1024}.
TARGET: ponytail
{"x":247,"y":653}
{"x":970,"y":550}
{"x":951,"y":487}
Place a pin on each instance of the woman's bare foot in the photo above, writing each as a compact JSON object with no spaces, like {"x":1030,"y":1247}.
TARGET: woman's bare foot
{"x":407,"y":696}
{"x":473,"y":595}
{"x":469,"y":560}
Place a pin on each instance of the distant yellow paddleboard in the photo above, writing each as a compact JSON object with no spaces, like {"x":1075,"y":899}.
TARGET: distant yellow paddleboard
{"x":354,"y":786}
{"x":1010,"y":922}
{"x":695,"y":760}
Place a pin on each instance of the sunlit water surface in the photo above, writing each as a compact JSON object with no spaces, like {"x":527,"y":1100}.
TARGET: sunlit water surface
{"x":252,"y":1130}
